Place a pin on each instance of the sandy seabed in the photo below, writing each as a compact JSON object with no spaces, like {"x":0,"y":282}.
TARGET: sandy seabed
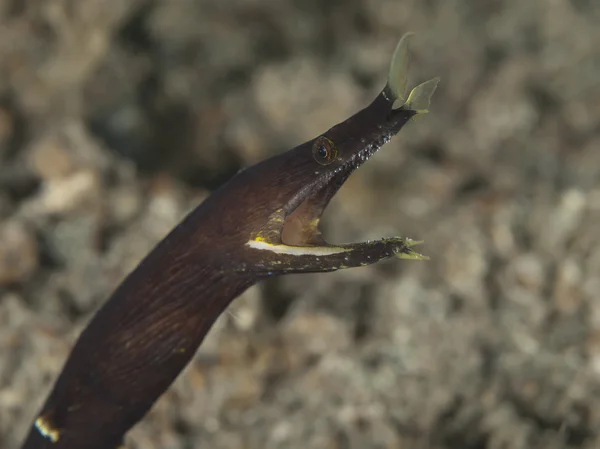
{"x":119,"y":116}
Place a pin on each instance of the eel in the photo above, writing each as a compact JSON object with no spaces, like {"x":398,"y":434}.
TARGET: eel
{"x":263,"y":222}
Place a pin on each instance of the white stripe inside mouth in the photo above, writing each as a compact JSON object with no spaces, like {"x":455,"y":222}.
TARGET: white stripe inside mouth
{"x":296,"y":250}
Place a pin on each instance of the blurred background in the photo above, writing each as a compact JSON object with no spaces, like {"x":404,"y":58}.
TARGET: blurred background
{"x":119,"y":116}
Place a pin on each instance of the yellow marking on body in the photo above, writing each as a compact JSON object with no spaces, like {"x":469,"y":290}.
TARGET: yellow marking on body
{"x":45,"y":427}
{"x":261,"y":244}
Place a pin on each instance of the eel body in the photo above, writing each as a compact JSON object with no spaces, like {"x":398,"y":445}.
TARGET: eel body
{"x":262,"y":223}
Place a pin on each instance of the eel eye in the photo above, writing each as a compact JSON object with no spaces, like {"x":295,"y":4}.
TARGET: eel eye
{"x":324,"y":151}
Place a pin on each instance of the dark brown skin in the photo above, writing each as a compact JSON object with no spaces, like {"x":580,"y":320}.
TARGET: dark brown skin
{"x":262,"y":223}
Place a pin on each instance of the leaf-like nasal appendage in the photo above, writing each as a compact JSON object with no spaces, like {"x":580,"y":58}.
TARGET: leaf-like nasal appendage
{"x":398,"y":75}
{"x":419,"y":98}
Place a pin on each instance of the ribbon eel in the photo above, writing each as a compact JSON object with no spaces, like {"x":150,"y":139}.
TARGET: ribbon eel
{"x":263,"y":222}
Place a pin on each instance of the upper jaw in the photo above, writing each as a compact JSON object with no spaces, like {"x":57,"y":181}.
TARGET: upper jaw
{"x":310,"y":203}
{"x":365,"y":149}
{"x":360,"y":136}
{"x":308,"y":208}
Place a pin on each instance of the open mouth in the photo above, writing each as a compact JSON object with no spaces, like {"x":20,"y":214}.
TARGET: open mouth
{"x":300,"y":226}
{"x":293,"y":230}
